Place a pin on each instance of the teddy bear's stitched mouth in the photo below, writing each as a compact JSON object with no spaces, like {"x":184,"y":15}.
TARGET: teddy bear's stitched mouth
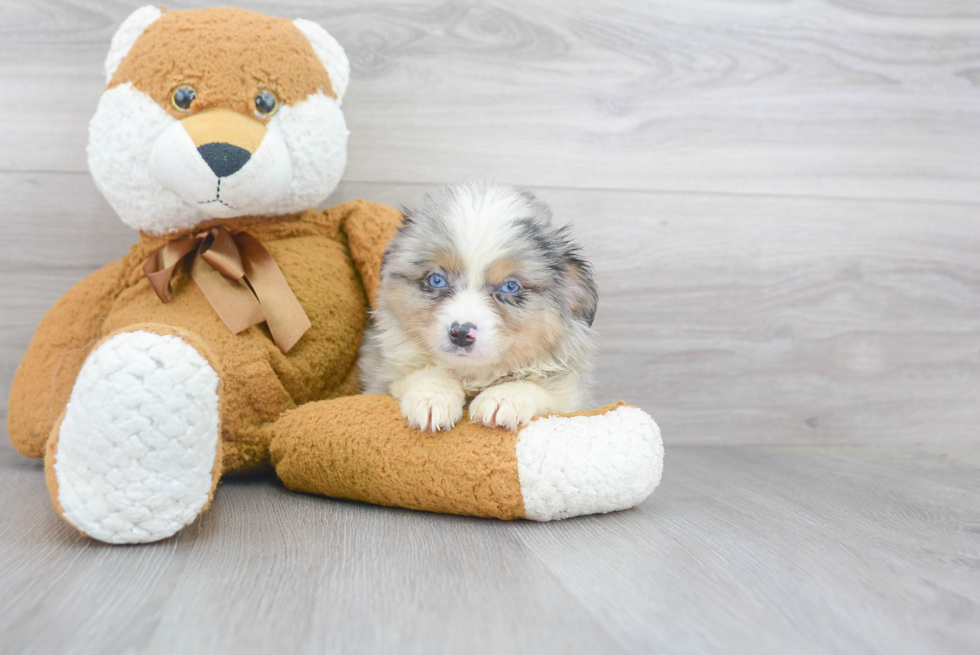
{"x":217,"y":197}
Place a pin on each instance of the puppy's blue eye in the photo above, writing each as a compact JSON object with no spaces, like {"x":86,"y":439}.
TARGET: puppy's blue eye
{"x":510,"y":286}
{"x":436,"y":281}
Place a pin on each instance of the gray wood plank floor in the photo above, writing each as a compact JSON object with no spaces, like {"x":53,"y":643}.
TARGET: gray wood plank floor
{"x":741,"y":550}
{"x":782,"y":201}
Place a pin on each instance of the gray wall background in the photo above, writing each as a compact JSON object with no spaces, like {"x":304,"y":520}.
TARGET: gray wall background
{"x":781,"y":199}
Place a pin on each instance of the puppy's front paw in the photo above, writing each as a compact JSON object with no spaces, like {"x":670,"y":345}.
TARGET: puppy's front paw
{"x":503,"y":406}
{"x":433,"y":407}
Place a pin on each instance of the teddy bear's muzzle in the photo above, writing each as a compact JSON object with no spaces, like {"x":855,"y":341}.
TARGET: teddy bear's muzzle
{"x":222,"y":163}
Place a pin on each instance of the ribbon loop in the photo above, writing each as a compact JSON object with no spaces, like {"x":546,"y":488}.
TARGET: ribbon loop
{"x":239,"y":278}
{"x":219,"y":249}
{"x":159,"y":269}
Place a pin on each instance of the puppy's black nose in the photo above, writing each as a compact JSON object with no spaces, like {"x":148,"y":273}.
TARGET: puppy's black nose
{"x":463,"y":335}
{"x":223,"y":158}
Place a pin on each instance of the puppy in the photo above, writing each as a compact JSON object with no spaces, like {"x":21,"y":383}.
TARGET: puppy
{"x":483,"y":300}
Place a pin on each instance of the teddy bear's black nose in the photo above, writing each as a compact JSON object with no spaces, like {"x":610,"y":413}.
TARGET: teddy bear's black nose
{"x":223,"y":158}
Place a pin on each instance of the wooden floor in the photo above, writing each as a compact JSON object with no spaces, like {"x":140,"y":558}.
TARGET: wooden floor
{"x":782,"y":203}
{"x":741,"y":550}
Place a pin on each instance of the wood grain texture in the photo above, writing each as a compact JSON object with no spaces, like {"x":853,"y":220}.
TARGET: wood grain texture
{"x":741,"y":550}
{"x":862,"y":99}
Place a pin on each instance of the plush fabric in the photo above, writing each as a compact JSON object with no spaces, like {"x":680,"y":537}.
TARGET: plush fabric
{"x":143,"y":402}
{"x":312,"y":250}
{"x":139,"y":406}
{"x":588,"y":463}
{"x":557,"y":467}
{"x":227,"y":56}
{"x":225,"y":53}
{"x":328,"y":448}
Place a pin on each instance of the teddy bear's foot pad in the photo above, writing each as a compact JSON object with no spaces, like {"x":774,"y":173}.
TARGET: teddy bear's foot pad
{"x":136,"y":451}
{"x":575,"y":465}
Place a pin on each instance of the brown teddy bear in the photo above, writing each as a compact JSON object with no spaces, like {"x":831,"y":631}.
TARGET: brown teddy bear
{"x":226,"y":340}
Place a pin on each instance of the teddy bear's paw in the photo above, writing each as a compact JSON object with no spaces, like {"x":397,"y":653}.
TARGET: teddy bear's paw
{"x":504,"y":406}
{"x":588,"y":464}
{"x":136,"y":451}
{"x":433,"y":406}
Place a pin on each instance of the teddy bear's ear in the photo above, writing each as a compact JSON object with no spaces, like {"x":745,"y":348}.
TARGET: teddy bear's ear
{"x":126,"y":36}
{"x":330,"y":53}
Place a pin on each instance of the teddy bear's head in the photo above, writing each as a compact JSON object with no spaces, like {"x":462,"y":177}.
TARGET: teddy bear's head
{"x":217,"y":113}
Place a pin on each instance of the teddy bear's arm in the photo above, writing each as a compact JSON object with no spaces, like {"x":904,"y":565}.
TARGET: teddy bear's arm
{"x":44,"y":379}
{"x":361,"y":448}
{"x":369,"y":226}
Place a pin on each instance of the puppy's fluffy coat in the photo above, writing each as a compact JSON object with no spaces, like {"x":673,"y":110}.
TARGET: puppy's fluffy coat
{"x":482,"y":299}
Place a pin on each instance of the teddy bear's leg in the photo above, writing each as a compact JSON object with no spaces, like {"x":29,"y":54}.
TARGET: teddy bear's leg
{"x":361,"y":448}
{"x":135,"y":456}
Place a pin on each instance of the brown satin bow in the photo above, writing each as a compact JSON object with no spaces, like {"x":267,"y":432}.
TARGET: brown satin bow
{"x":238,"y":277}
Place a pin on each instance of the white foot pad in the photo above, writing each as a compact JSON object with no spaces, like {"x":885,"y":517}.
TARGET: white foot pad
{"x":139,"y":439}
{"x":588,"y":464}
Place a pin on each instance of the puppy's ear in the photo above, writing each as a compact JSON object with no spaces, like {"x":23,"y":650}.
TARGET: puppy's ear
{"x":580,"y":287}
{"x":126,"y":36}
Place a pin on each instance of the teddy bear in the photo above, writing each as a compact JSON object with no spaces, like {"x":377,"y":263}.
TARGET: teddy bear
{"x":225,"y":341}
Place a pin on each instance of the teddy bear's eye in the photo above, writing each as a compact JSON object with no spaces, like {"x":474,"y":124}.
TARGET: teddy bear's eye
{"x":266,"y":104}
{"x":182,"y":97}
